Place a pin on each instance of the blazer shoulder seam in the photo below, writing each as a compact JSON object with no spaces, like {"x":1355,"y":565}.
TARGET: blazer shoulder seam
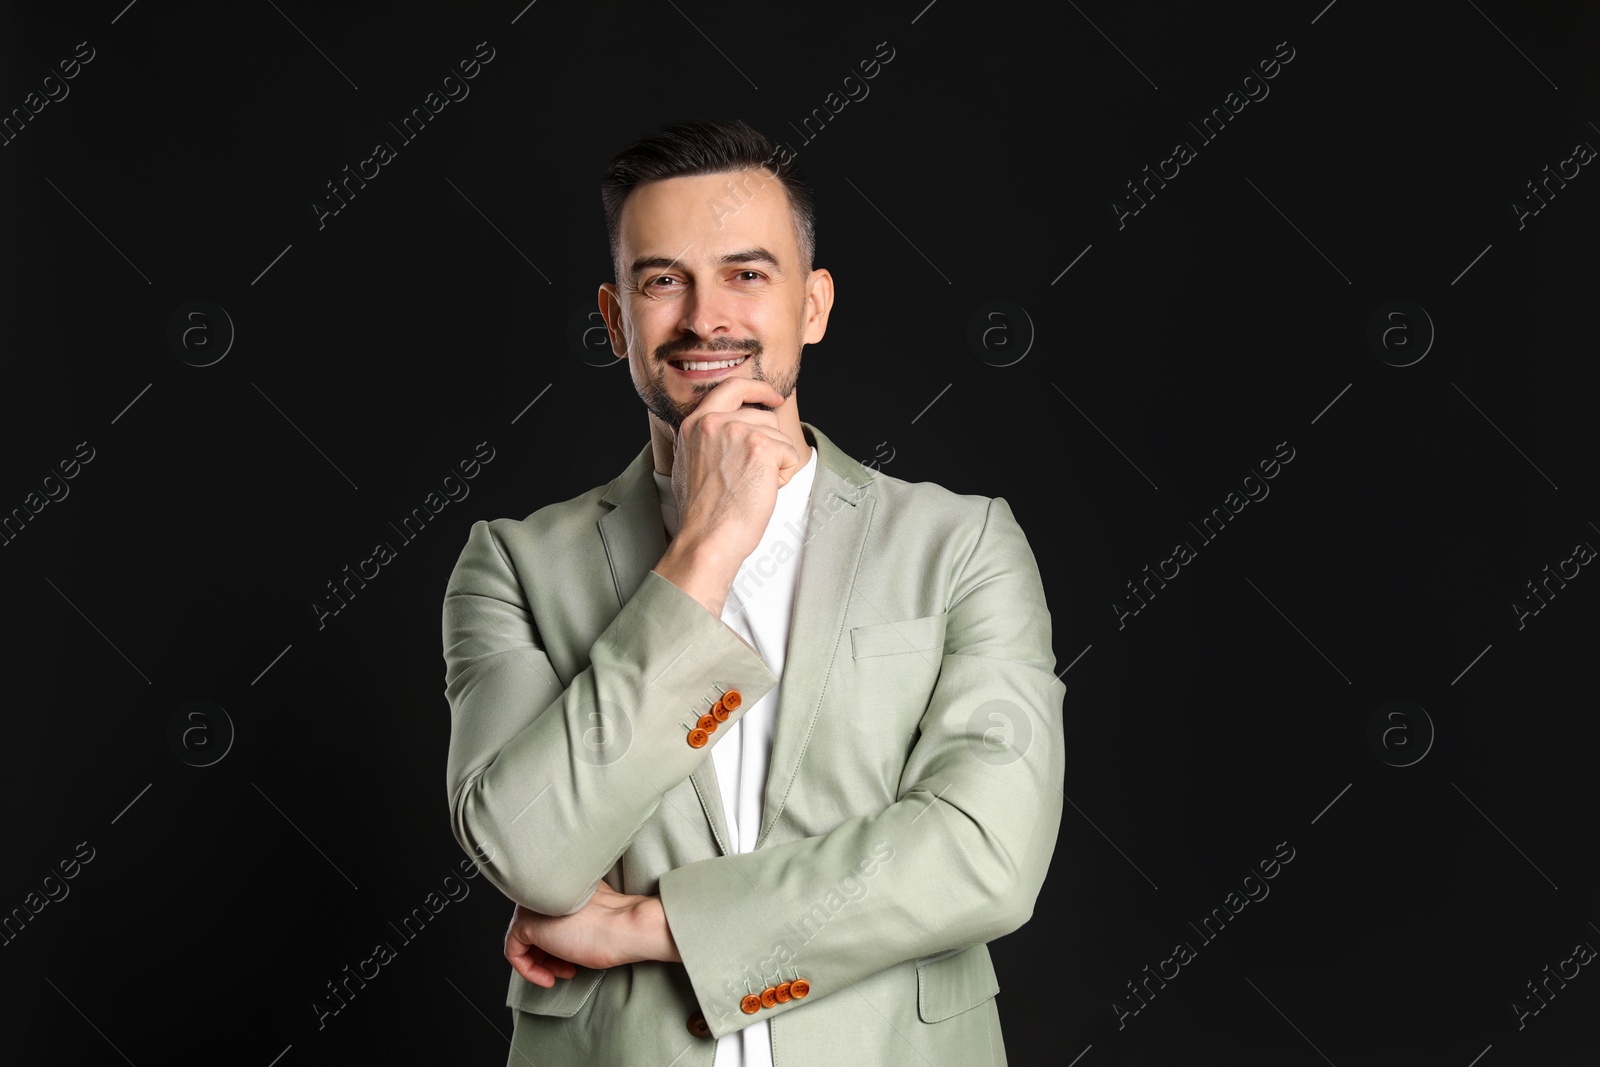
{"x":961,"y":572}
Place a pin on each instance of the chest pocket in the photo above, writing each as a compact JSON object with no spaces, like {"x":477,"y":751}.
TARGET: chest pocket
{"x":892,"y":672}
{"x":924,"y":636}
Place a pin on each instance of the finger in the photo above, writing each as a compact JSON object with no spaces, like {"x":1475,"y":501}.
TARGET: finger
{"x":790,"y":456}
{"x":735,"y":427}
{"x":524,"y":965}
{"x":553,"y":965}
{"x":540,"y":967}
{"x":730,"y":396}
{"x":736,"y":392}
{"x":524,"y":956}
{"x":787,"y":457}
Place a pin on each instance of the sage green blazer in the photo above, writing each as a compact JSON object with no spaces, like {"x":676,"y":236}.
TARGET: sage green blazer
{"x":911,"y":806}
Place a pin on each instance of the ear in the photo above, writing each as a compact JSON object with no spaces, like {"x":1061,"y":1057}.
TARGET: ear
{"x":818,"y":302}
{"x":611,"y":310}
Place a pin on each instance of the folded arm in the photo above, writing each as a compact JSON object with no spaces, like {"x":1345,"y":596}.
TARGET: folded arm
{"x":958,"y":859}
{"x":549,"y":783}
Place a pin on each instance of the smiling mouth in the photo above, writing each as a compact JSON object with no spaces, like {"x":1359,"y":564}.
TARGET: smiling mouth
{"x":708,"y":365}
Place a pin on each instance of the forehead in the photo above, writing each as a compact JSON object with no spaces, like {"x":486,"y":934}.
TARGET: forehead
{"x":704,"y":215}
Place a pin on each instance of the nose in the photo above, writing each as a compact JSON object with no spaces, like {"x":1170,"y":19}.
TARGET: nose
{"x":707,"y":311}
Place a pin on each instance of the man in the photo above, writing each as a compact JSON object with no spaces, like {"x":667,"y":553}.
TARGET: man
{"x":764,"y":744}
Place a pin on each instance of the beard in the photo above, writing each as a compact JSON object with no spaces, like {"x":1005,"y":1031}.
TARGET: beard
{"x":659,"y":401}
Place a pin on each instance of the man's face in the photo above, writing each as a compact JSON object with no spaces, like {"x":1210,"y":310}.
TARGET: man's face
{"x":711,"y":273}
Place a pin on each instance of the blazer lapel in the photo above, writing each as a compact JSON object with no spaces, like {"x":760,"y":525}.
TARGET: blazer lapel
{"x":632,"y":531}
{"x":836,"y":531}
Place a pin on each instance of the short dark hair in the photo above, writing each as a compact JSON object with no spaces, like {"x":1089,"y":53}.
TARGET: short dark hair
{"x":706,"y":146}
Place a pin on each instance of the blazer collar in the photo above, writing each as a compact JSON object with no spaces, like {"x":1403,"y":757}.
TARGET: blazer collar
{"x":635,"y":540}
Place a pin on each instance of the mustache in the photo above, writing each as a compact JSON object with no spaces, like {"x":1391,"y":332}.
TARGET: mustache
{"x":673,"y":349}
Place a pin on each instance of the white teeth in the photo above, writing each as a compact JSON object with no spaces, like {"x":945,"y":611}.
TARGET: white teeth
{"x":719,"y":365}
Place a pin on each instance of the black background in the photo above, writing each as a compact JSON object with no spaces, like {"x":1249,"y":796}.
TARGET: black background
{"x":1224,"y":318}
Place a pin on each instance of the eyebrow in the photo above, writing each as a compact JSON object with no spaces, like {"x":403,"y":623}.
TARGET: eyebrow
{"x":749,"y":255}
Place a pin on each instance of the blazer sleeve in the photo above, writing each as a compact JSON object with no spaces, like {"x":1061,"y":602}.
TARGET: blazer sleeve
{"x":958,"y":859}
{"x":549,"y":783}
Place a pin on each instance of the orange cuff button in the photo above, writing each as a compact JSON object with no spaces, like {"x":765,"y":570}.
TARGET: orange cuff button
{"x":769,"y":997}
{"x":799,"y":987}
{"x":731,"y":700}
{"x":784,"y":995}
{"x":750,"y":1005}
{"x":719,"y":712}
{"x":708,"y":724}
{"x":698,"y":738}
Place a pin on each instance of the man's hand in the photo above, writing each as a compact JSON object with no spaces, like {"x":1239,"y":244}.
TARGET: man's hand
{"x":727,"y":466}
{"x":611,"y":929}
{"x":728,"y":463}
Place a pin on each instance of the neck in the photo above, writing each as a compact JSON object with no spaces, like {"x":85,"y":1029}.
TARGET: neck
{"x":663,"y":440}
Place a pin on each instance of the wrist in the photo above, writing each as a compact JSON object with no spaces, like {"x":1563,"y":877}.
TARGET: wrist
{"x":704,"y":570}
{"x":652,"y":936}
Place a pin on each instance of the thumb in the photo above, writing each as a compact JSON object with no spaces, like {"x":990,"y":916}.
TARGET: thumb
{"x":788,"y":469}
